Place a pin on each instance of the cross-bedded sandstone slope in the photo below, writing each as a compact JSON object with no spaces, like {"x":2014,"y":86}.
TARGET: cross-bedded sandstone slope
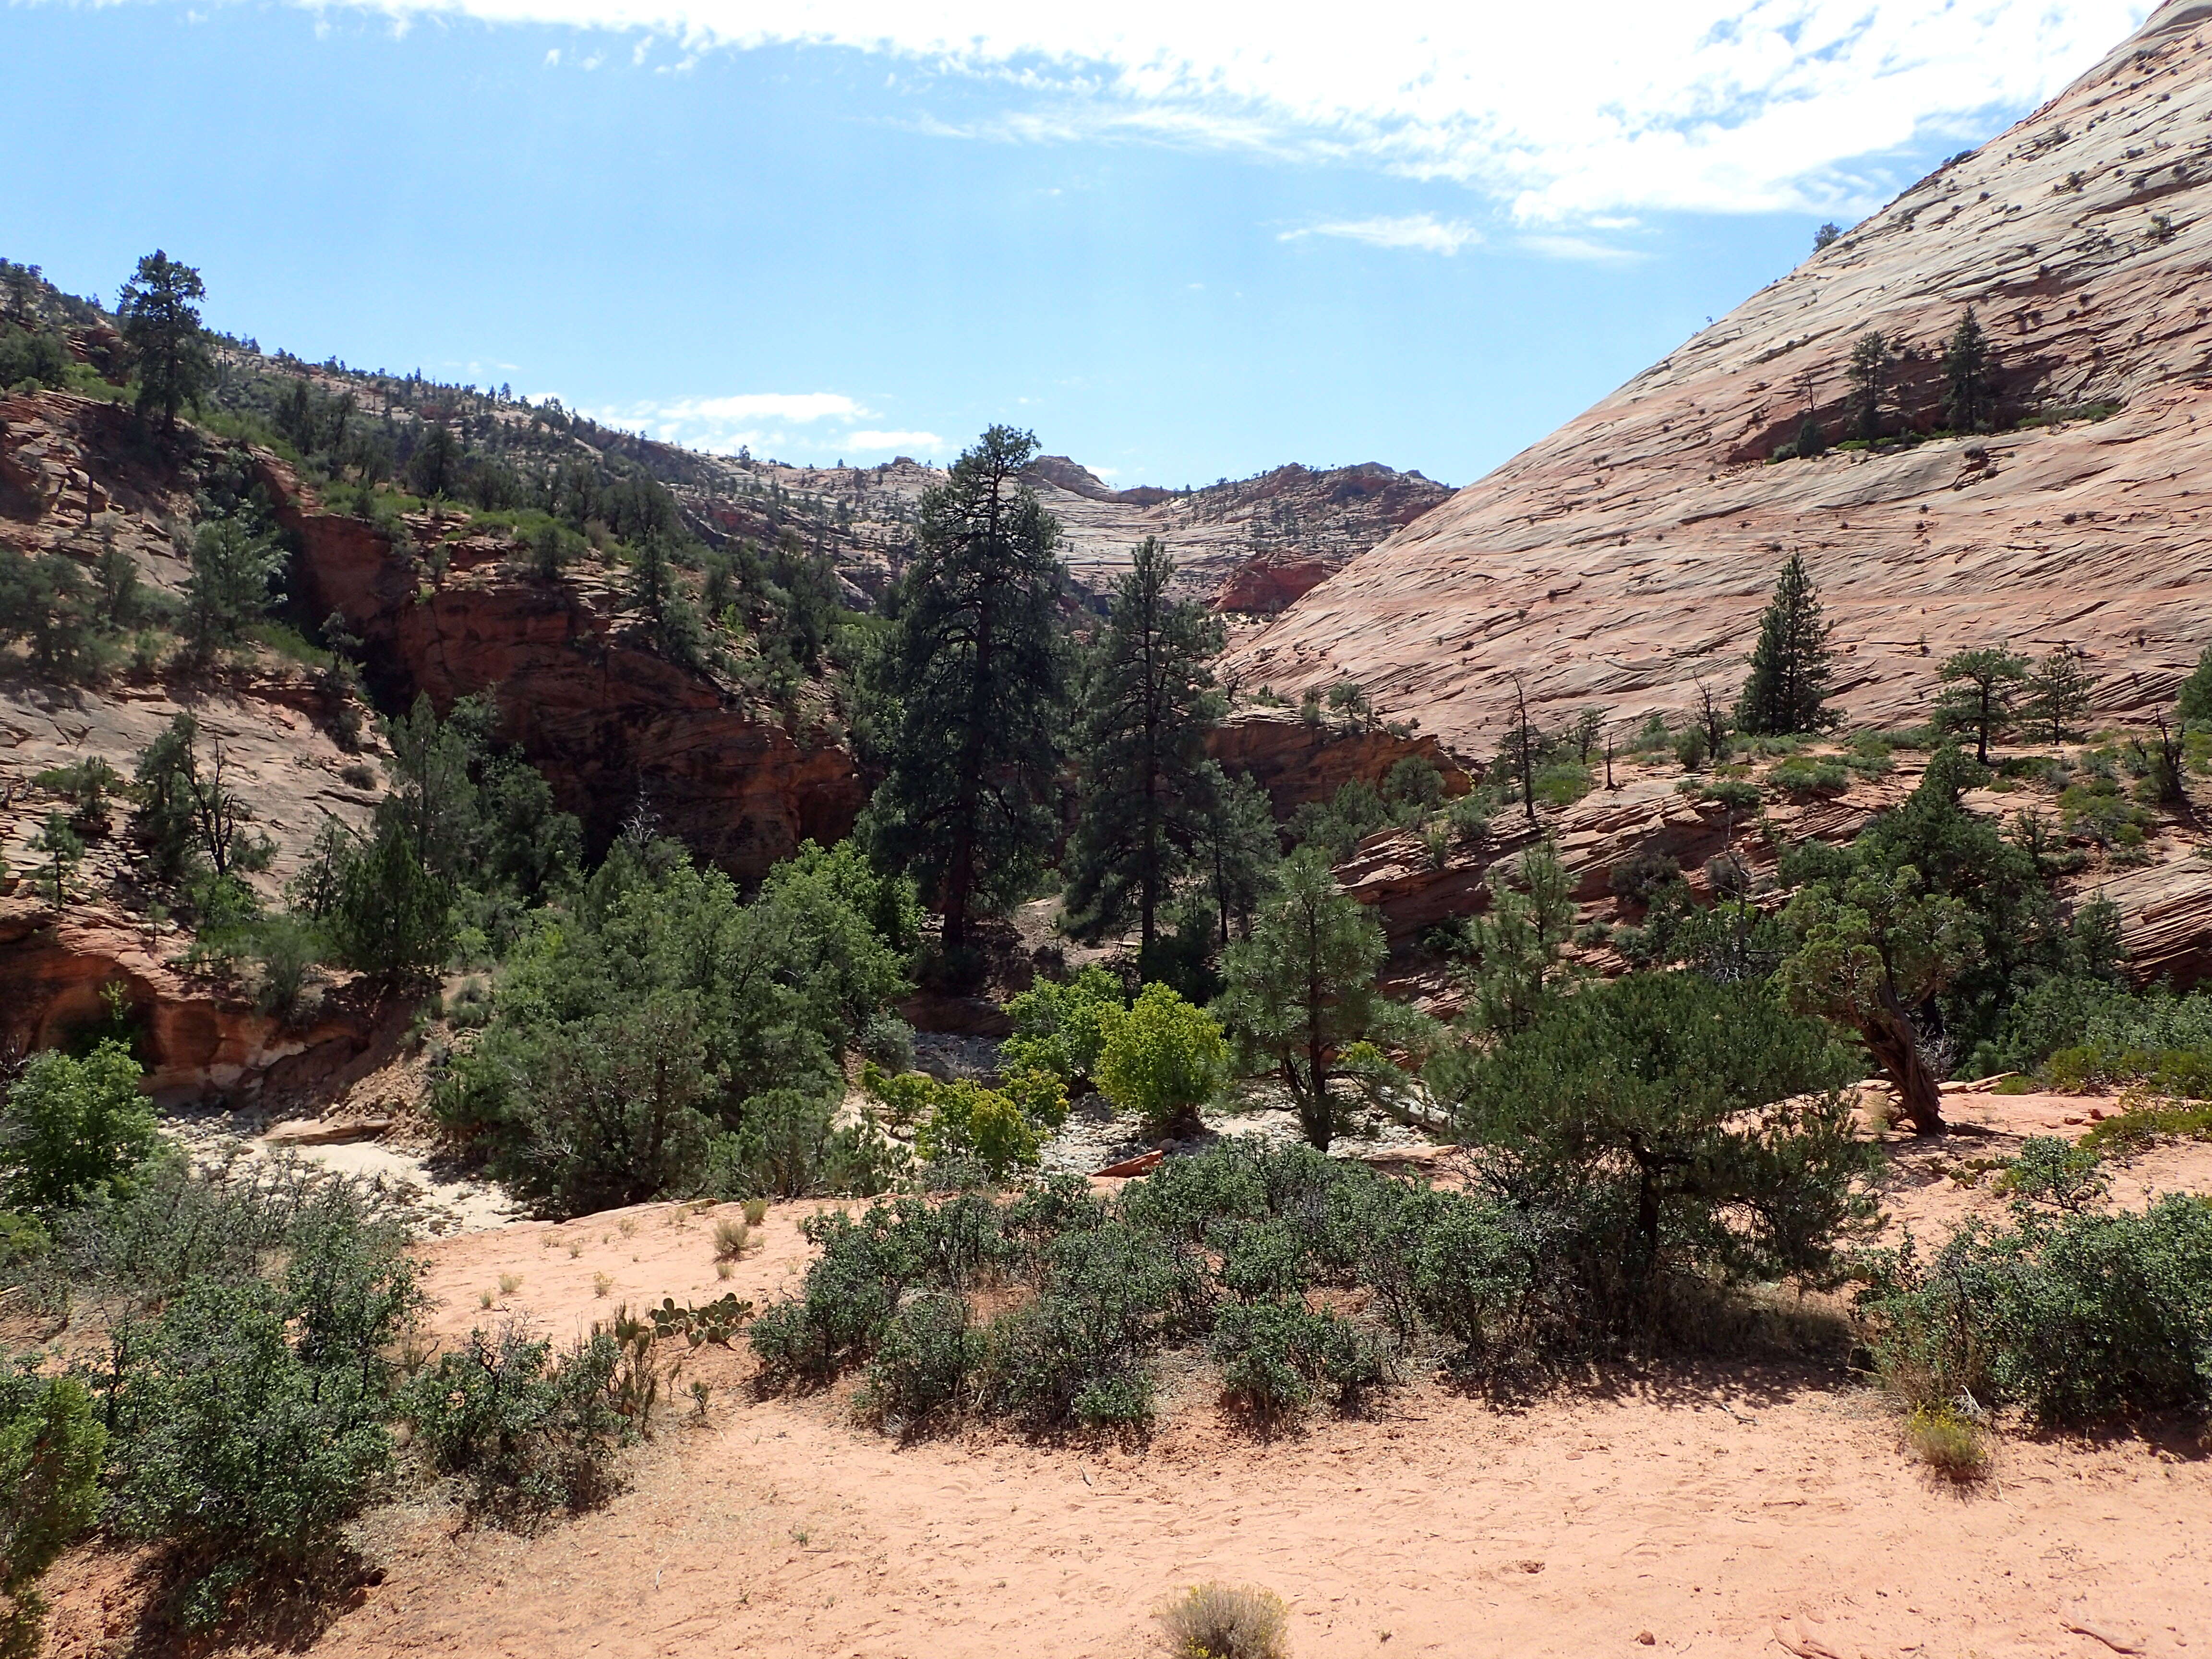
{"x":1627,"y":556}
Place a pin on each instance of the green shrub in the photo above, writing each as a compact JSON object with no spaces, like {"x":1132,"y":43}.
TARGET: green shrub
{"x":49,"y":1457}
{"x":1061,"y":1028}
{"x":1642,"y":874}
{"x":2077,"y":1316}
{"x":1076,"y":1353}
{"x":2137,"y":1128}
{"x":1806,"y":774}
{"x":845,"y":1303}
{"x":1161,"y":1058}
{"x":1273,"y":1353}
{"x":2053,"y":1171}
{"x":22,"y":1238}
{"x":72,"y":1130}
{"x":532,"y":1433}
{"x":232,"y":1446}
{"x":1414,"y":782}
{"x":1739,"y":794}
{"x":967,"y":1121}
{"x":926,"y":1360}
{"x":1702,"y":1111}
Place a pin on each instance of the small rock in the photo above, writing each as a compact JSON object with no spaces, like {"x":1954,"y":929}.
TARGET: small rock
{"x":1646,"y":1638}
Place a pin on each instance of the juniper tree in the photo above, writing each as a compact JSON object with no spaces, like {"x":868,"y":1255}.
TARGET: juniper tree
{"x":2058,"y":690}
{"x":1967,"y":376}
{"x":161,"y":327}
{"x":1984,"y":683}
{"x":971,"y":685}
{"x":1789,"y":667}
{"x":1872,"y":362}
{"x":1148,"y":702}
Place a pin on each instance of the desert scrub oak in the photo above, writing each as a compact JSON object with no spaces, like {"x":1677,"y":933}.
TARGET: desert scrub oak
{"x":1161,"y":1058}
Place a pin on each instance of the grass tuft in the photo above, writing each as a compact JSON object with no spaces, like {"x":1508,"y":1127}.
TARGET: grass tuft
{"x":1225,"y":1621}
{"x":1952,"y":1446}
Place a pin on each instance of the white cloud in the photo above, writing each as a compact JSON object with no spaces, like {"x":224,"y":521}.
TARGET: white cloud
{"x":801,"y":406}
{"x":1621,"y":104}
{"x":1554,"y":247}
{"x":1423,"y":231}
{"x":744,"y":420}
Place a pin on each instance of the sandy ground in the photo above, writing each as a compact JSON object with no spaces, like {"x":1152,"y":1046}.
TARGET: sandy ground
{"x":1723,"y":1511}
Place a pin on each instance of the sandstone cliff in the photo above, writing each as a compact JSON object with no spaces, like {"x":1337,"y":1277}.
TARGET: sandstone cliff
{"x":615,"y":727}
{"x":1248,"y":543}
{"x":1625,"y":557}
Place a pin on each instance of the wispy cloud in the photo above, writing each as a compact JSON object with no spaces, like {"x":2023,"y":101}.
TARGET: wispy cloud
{"x":1555,"y":247}
{"x":1701,"y":104}
{"x":772,"y":421}
{"x":1423,"y":231}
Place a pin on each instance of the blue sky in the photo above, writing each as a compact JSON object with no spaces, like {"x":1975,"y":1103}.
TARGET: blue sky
{"x":1179,"y":242}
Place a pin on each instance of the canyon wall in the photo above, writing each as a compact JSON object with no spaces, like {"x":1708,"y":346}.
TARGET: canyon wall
{"x":1625,"y":558}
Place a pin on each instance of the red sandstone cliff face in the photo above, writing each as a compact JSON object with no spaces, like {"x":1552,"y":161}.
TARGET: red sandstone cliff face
{"x":1296,"y":762}
{"x":56,"y":968}
{"x":1627,"y":556}
{"x":614,"y":727}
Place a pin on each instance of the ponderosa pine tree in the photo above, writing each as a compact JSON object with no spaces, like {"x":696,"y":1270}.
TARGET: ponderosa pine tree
{"x":1238,"y":846}
{"x":1301,"y":989}
{"x":1982,"y":686}
{"x":1872,"y":362}
{"x":971,"y":686}
{"x":1967,"y":397}
{"x":161,"y":326}
{"x":1148,"y":702}
{"x":1790,"y":668}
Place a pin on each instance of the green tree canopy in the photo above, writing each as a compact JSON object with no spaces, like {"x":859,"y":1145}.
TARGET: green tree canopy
{"x":1873,"y":363}
{"x":1238,"y":846}
{"x":71,"y":1130}
{"x":1784,"y":691}
{"x":1983,"y":685}
{"x":1703,"y":1116}
{"x":2059,"y":690}
{"x":1162,"y":1058}
{"x":1302,"y":988}
{"x":2195,"y":704}
{"x":970,"y":685}
{"x":644,"y":1021}
{"x":230,"y":587}
{"x":1515,"y":946}
{"x":1148,"y":701}
{"x":1870,"y":952}
{"x":159,"y":316}
{"x":1967,"y":376}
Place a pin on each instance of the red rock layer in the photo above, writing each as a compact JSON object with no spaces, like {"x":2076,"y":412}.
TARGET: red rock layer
{"x":616,"y":728}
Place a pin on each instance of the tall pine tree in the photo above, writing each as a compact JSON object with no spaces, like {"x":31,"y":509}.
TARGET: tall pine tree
{"x":971,"y":687}
{"x":1966,"y":399}
{"x":1790,"y":666}
{"x":1872,"y":361}
{"x":161,"y":326}
{"x":1147,"y":705}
